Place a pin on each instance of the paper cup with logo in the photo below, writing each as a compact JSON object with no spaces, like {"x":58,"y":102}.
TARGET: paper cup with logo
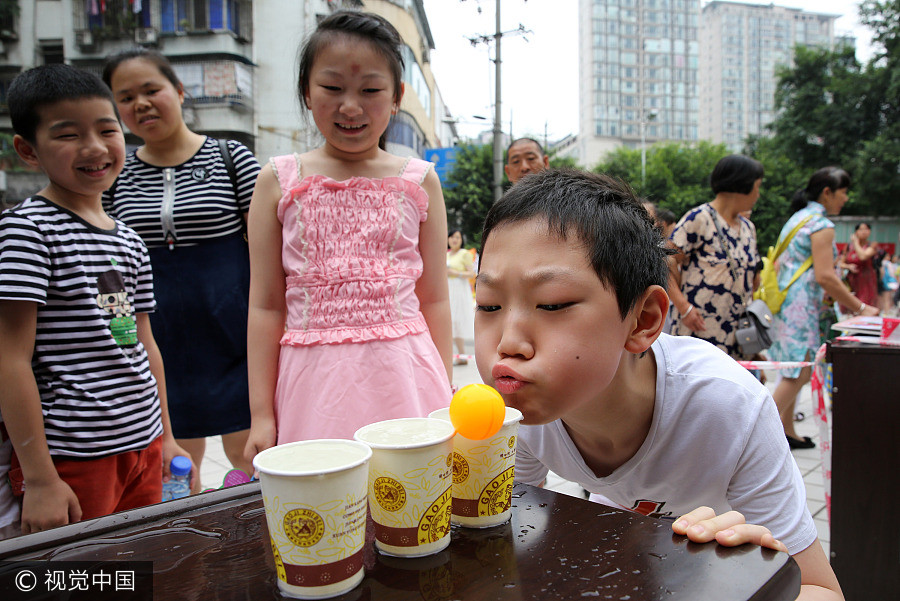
{"x":409,"y":484}
{"x":314,"y":492}
{"x":483,"y":473}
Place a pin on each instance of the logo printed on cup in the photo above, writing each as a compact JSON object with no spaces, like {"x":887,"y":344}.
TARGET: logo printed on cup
{"x":304,"y":527}
{"x":435,"y":524}
{"x":497,"y":495}
{"x":389,"y":493}
{"x":460,"y":468}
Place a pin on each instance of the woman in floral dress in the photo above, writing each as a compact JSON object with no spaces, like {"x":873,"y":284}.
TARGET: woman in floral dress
{"x":796,"y":331}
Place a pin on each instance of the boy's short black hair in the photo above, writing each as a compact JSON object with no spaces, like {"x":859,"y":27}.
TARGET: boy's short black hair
{"x":36,"y":88}
{"x":622,"y":243}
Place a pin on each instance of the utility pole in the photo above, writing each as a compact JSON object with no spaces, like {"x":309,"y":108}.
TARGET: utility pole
{"x":498,"y":132}
{"x":498,"y":137}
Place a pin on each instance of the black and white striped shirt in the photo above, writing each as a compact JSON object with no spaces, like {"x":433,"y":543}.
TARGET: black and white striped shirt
{"x":194,"y":201}
{"x":97,"y":393}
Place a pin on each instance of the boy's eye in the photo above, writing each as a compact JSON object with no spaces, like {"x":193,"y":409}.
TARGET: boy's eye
{"x":487,"y":308}
{"x":371,"y":90}
{"x":555,"y":307}
{"x":332,"y":88}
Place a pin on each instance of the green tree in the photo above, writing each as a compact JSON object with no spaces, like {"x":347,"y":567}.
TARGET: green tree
{"x":468,"y":193}
{"x":677,"y":174}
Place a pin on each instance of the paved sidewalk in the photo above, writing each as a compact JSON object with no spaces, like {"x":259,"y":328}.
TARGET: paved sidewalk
{"x":215,"y":465}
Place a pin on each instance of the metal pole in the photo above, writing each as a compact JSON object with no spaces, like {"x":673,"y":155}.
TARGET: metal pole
{"x":498,"y":150}
{"x":643,"y":152}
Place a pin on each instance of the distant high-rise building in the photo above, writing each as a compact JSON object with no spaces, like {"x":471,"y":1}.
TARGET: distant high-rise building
{"x":638,"y":73}
{"x":741,"y":48}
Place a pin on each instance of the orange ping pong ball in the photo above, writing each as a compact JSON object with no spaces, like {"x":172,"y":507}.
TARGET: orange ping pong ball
{"x":477,"y":411}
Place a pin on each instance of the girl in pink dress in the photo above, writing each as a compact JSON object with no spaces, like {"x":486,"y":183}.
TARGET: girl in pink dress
{"x":349,"y":317}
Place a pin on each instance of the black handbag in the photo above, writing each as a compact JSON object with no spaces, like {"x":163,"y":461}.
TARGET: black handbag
{"x":753,"y":328}
{"x":752,"y":334}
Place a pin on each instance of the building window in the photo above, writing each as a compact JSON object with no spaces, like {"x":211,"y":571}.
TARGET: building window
{"x":203,"y":15}
{"x":415,"y":79}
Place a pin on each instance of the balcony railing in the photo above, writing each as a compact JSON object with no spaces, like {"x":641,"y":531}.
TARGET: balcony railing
{"x":144,"y":20}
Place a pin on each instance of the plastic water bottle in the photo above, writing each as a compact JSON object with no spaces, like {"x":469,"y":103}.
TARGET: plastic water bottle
{"x":179,"y":485}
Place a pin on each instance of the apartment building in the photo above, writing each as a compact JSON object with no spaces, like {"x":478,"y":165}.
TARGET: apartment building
{"x":741,"y":48}
{"x":638,"y":73}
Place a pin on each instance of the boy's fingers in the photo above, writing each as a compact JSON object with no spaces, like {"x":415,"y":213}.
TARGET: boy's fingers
{"x":705,"y":530}
{"x":681,"y":525}
{"x":749,"y":533}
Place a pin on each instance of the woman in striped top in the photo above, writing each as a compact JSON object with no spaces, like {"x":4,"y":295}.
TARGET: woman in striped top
{"x":187,"y":196}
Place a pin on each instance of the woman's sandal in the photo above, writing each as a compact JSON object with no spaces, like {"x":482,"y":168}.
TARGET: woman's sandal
{"x":796,"y":443}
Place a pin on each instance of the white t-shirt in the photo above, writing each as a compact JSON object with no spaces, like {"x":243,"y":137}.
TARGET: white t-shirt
{"x":715,"y":439}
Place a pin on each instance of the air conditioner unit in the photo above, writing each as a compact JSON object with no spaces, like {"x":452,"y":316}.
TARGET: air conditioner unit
{"x":145,"y":35}
{"x":84,"y":37}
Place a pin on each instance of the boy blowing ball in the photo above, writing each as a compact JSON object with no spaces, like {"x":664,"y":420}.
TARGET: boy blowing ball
{"x":571,"y":302}
{"x":82,"y":390}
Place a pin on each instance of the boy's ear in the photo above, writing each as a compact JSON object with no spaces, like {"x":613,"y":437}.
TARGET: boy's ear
{"x":26,"y":151}
{"x":649,"y":317}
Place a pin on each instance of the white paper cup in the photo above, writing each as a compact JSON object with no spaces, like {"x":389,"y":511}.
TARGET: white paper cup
{"x":409,"y":484}
{"x":314,"y":492}
{"x":483,"y":473}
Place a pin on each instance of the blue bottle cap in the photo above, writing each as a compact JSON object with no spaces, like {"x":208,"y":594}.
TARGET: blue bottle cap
{"x":180,"y":466}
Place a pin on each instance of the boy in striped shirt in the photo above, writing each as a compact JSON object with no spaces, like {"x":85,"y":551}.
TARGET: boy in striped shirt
{"x":82,"y":390}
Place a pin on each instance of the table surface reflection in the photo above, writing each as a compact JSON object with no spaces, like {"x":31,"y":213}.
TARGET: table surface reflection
{"x":216,"y":545}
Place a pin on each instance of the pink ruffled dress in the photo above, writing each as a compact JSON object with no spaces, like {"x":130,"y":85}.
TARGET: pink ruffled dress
{"x":356,"y":348}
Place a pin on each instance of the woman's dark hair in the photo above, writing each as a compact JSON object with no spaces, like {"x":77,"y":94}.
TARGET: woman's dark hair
{"x":366,"y":26}
{"x":152,"y":56}
{"x":833,"y":178}
{"x":622,"y":243}
{"x":735,"y":173}
{"x":860,"y":224}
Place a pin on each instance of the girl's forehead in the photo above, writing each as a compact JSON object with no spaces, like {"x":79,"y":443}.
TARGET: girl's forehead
{"x":353,"y":51}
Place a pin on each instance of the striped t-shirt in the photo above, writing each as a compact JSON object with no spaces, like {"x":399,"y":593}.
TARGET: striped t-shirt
{"x":194,"y":201}
{"x":97,"y":393}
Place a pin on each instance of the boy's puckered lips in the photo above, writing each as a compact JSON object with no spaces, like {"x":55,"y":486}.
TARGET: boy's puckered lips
{"x":506,"y":379}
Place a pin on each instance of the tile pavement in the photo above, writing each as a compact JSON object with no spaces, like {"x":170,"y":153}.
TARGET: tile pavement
{"x":215,"y":465}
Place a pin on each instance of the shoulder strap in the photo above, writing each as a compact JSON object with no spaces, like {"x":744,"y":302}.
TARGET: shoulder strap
{"x":806,"y":265}
{"x":229,"y":164}
{"x":232,"y":175}
{"x":415,"y":170}
{"x":783,"y":244}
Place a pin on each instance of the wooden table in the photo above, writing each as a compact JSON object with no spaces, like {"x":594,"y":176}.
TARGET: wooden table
{"x":216,"y":545}
{"x":865,"y":470}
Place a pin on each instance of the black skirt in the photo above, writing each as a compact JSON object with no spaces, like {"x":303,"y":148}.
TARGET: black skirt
{"x":200,"y":326}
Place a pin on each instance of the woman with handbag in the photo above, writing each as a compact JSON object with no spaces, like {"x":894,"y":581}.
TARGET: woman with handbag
{"x":796,"y":330}
{"x":718,"y":258}
{"x":187,"y":196}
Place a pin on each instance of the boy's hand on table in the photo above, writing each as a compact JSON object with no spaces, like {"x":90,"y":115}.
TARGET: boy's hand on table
{"x":729,"y":529}
{"x":48,"y":505}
